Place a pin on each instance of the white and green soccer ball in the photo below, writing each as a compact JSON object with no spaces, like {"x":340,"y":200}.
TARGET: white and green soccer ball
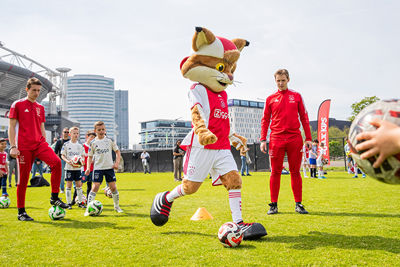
{"x":95,"y":208}
{"x":56,"y":213}
{"x":4,"y":202}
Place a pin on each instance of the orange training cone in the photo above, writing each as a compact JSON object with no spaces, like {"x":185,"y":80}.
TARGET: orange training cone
{"x":201,"y":214}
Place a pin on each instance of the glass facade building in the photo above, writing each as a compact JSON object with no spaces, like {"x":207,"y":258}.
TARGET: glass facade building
{"x":122,"y":119}
{"x":91,"y":98}
{"x":245,"y":117}
{"x":163,"y":134}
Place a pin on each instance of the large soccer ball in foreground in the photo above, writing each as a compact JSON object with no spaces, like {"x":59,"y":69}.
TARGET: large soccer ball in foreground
{"x":4,"y":202}
{"x":230,"y":234}
{"x":56,"y":213}
{"x":95,"y":208}
{"x":389,"y":171}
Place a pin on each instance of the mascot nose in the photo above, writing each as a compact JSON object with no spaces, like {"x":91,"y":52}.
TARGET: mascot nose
{"x":230,"y":77}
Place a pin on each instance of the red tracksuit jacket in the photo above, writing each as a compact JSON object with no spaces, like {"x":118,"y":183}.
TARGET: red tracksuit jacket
{"x":283,"y":109}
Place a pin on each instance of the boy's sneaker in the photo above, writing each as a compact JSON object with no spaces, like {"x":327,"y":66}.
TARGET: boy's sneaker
{"x":248,"y":174}
{"x":58,"y":202}
{"x":69,"y":207}
{"x":363,"y":176}
{"x":252,"y":231}
{"x":118,"y":209}
{"x":160,"y":209}
{"x":81,"y":205}
{"x":24,"y":217}
{"x":273,"y":208}
{"x":300,"y":209}
{"x":355,"y":176}
{"x":86,"y":213}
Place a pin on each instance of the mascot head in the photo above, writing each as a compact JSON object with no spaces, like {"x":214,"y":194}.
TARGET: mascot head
{"x":213,"y":61}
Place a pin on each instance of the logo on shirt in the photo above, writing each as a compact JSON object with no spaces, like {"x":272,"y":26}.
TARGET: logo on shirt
{"x":26,"y":110}
{"x":219,"y":114}
{"x":276,"y":100}
{"x":291,"y":97}
{"x":222,"y":104}
{"x":38,"y":111}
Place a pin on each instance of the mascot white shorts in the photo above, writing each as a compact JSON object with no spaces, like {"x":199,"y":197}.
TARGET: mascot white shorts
{"x":200,"y":162}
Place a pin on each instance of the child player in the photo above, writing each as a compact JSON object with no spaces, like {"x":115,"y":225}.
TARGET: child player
{"x":69,"y":150}
{"x":90,"y":135}
{"x":3,"y":167}
{"x":305,"y":162}
{"x":101,"y":149}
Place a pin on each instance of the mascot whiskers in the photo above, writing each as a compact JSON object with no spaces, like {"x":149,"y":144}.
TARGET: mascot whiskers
{"x":207,"y":146}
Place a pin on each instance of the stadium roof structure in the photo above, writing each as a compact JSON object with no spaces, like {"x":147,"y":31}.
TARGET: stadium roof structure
{"x":13,"y":81}
{"x":15,"y":70}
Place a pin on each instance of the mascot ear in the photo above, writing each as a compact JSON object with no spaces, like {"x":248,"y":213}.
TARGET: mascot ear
{"x":240,"y":43}
{"x":202,"y":37}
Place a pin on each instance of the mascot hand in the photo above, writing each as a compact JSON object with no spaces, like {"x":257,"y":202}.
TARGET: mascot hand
{"x":206,"y":137}
{"x":238,"y":141}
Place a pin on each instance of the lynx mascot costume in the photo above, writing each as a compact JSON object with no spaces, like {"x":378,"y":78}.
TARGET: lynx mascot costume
{"x":207,"y":146}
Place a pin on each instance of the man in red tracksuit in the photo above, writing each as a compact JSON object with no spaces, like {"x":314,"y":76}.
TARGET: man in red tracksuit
{"x":281,"y":114}
{"x":27,"y":139}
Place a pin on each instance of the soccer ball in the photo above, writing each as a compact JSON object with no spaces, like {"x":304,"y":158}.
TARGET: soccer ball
{"x":56,"y":213}
{"x":4,"y":202}
{"x":84,"y":200}
{"x":95,"y":208}
{"x":76,"y":161}
{"x":107,"y":192}
{"x":389,"y":171}
{"x":230,"y":234}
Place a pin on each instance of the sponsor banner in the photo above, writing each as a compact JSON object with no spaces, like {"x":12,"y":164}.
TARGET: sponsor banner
{"x":323,"y":126}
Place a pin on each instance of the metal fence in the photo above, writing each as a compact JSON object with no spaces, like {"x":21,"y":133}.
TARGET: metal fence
{"x":162,"y":160}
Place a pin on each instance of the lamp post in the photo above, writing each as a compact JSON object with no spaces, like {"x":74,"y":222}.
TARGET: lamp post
{"x":173,"y":131}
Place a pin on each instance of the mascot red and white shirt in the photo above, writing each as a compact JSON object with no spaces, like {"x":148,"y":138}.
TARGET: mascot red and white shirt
{"x":216,"y":116}
{"x":216,"y":158}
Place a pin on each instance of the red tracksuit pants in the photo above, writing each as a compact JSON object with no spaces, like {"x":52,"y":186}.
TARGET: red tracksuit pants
{"x":25,"y":161}
{"x":277,"y":148}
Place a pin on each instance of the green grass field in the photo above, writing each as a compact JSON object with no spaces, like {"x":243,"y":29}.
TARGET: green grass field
{"x":351,"y":222}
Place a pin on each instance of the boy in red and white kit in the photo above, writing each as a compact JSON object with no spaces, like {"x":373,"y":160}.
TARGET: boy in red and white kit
{"x":3,"y":167}
{"x":281,"y":113}
{"x":90,"y":135}
{"x":27,"y":139}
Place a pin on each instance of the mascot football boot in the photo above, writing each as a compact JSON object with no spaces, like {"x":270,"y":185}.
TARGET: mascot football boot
{"x":252,"y":231}
{"x":160,"y":209}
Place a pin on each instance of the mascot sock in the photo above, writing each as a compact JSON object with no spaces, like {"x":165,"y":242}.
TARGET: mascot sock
{"x":68,"y":195}
{"x":115,"y":197}
{"x":92,"y":196}
{"x":175,"y":193}
{"x":79,"y":193}
{"x":235,"y":202}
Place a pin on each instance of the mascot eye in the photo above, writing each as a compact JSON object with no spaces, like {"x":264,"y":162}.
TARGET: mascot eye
{"x":220,"y":67}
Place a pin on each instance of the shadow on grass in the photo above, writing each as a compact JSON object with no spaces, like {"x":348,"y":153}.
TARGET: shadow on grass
{"x":68,"y":223}
{"x":27,"y":208}
{"x":187,"y":233}
{"x":125,"y":214}
{"x":377,"y":215}
{"x":131,"y":189}
{"x":133,"y":205}
{"x":316,"y":239}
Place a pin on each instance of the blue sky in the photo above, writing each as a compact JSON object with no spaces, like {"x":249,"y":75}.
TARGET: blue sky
{"x":342,"y":50}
